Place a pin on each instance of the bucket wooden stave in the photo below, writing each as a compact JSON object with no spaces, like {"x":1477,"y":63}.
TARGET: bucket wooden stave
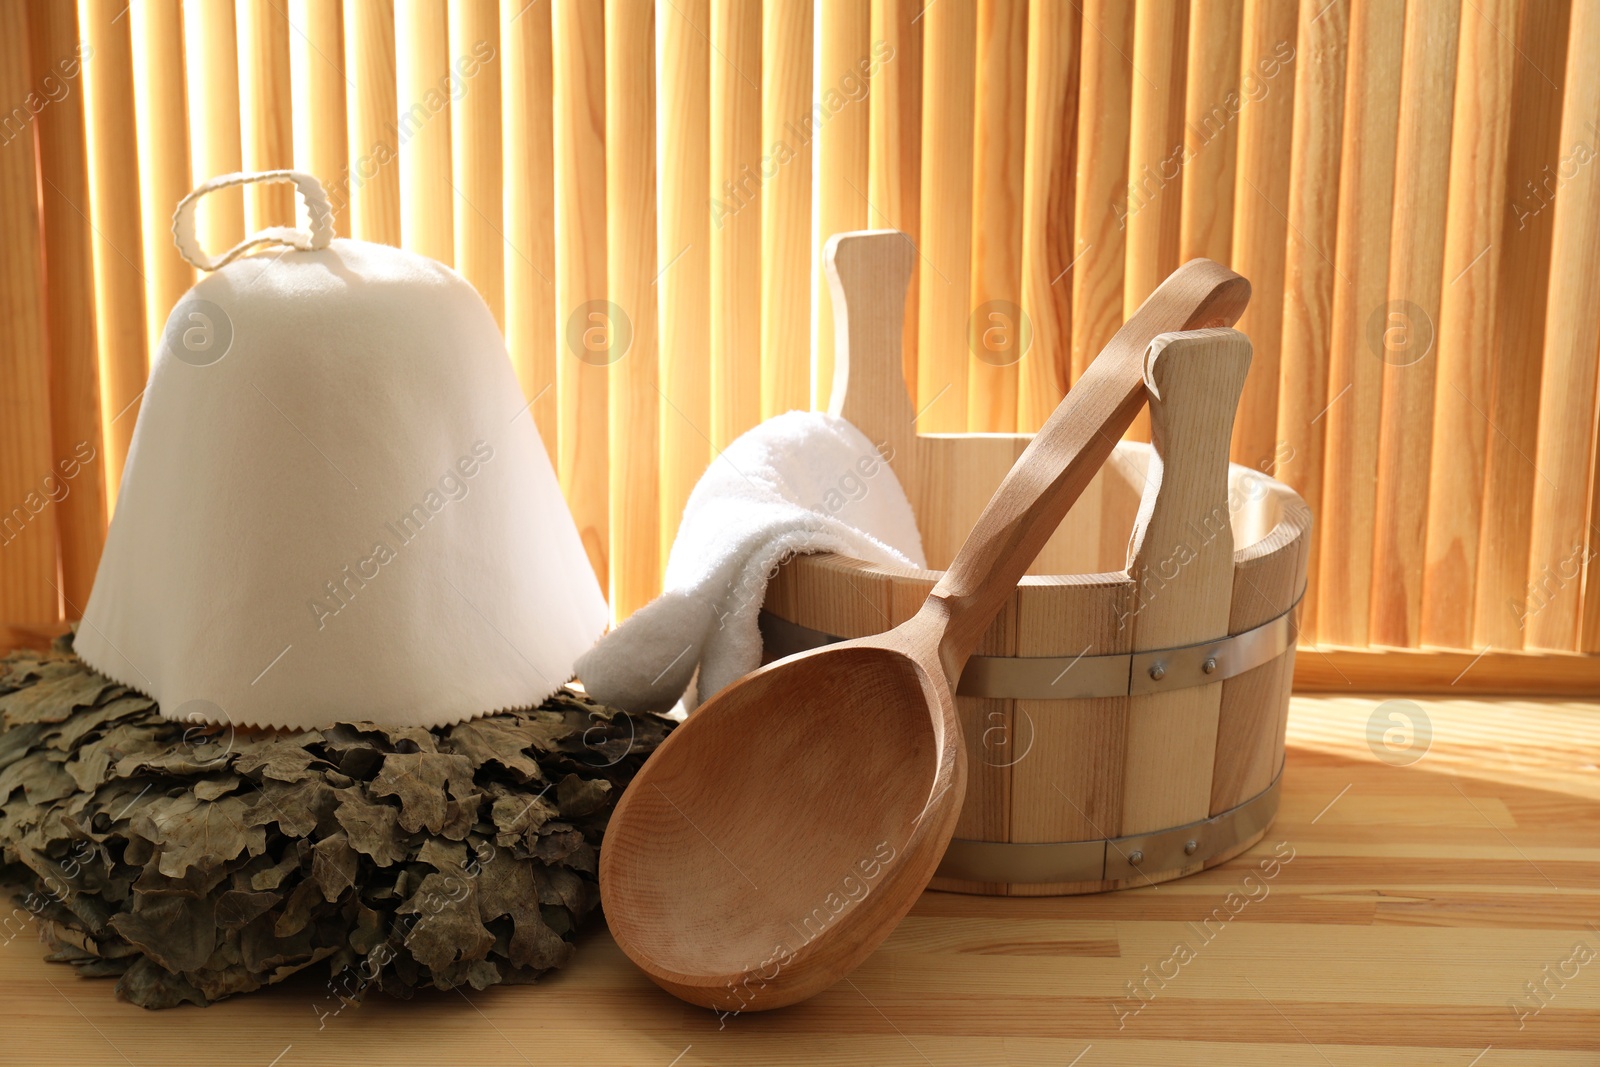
{"x":1110,"y":784}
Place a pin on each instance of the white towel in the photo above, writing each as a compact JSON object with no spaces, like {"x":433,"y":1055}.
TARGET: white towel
{"x":801,"y":482}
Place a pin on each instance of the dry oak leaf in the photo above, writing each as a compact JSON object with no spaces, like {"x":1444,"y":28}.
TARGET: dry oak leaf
{"x":420,"y":779}
{"x":192,"y":832}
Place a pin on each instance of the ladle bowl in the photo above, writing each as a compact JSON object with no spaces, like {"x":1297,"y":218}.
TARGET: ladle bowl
{"x":762,"y":867}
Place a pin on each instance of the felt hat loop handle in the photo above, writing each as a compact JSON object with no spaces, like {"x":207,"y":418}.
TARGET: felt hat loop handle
{"x":311,"y":191}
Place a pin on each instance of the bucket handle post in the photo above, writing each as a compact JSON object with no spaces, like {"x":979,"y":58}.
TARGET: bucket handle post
{"x":868,"y":271}
{"x":1180,"y":553}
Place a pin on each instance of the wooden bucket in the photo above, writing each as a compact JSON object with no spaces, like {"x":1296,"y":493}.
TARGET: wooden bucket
{"x":1124,"y":716}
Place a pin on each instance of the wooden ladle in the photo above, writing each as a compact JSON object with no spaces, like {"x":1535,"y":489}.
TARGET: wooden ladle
{"x":783,"y":830}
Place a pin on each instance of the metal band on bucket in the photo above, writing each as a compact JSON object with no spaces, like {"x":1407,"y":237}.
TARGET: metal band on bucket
{"x":1084,"y":677}
{"x":1111,"y":859}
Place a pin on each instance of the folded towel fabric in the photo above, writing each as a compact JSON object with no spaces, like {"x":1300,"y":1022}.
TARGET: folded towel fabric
{"x":800,"y":482}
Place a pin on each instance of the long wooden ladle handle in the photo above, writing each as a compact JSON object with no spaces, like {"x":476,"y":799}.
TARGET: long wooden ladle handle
{"x":1064,"y":455}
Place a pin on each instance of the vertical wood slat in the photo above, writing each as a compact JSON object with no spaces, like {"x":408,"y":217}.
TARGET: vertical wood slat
{"x":1309,"y":272}
{"x":163,"y":139}
{"x":373,"y":184}
{"x":997,"y":331}
{"x":589,"y":327}
{"x":1260,"y":203}
{"x":76,"y":449}
{"x":1255,"y":704}
{"x":843,"y":123}
{"x":119,"y":297}
{"x":211,"y":52}
{"x":316,"y":59}
{"x":1533,"y":152}
{"x":1366,"y":184}
{"x":786,"y":74}
{"x":1099,"y":242}
{"x":633,"y":404}
{"x":1153,"y":218}
{"x":1068,"y":788}
{"x":1047,"y":207}
{"x":423,"y":78}
{"x":1155,"y":163}
{"x":895,"y":149}
{"x":28,"y":590}
{"x":1410,"y":327}
{"x":1584,"y":204}
{"x":1566,"y":450}
{"x":987,"y":725}
{"x":530,"y":252}
{"x":683,"y":250}
{"x":267,"y":112}
{"x":949,"y":28}
{"x":475,"y":151}
{"x":1211,"y":129}
{"x":735,"y":199}
{"x":1473,"y":252}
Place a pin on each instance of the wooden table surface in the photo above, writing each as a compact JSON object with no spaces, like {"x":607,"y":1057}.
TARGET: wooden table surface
{"x":1426,"y":890}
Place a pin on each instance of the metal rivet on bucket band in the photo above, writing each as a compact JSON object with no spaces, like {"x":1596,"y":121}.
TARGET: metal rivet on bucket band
{"x":1084,"y":677}
{"x":1113,"y":859}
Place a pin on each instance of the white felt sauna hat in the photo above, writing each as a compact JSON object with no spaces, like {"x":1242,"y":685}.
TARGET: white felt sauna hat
{"x":336,"y":506}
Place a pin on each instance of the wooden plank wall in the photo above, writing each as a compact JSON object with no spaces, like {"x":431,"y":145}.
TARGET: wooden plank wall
{"x":1411,"y":187}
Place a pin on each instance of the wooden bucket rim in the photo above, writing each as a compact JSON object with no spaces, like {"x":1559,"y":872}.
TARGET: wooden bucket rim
{"x":1293,"y":523}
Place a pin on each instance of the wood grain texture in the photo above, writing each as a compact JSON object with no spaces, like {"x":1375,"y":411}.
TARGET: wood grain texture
{"x":119,"y":293}
{"x":1468,"y":313}
{"x":1405,"y":907}
{"x":995,"y":334}
{"x":266,"y":101}
{"x":1533,"y":151}
{"x":527,"y":114}
{"x":424,"y":79}
{"x":1180,"y":561}
{"x":894,"y":151}
{"x":321,"y":121}
{"x":1155,"y":149}
{"x":1326,"y":669}
{"x":786,"y":80}
{"x":589,"y":330}
{"x":1409,"y":333}
{"x":633,"y":400}
{"x":1211,"y":129}
{"x":74,"y":416}
{"x":1068,"y":758}
{"x":1355,"y":379}
{"x":683,"y":251}
{"x":949,"y":30}
{"x":873,"y":271}
{"x":736,"y":151}
{"x":988,"y":728}
{"x":844,"y":61}
{"x":371,"y":61}
{"x":1266,"y":578}
{"x":478,"y":196}
{"x":216,"y":140}
{"x":1310,"y":274}
{"x":1267,"y":75}
{"x":161,"y":103}
{"x":1098,"y":234}
{"x":1566,"y":450}
{"x":1048,"y":188}
{"x":27,"y":465}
